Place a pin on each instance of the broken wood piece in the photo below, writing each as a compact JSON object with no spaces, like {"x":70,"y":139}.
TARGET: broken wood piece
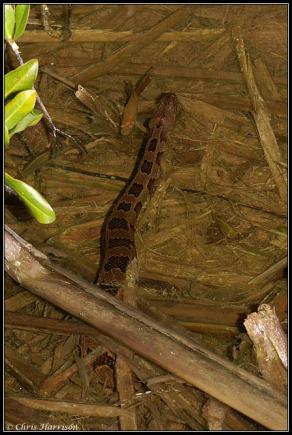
{"x":270,"y":343}
{"x":130,"y":113}
{"x":85,"y":97}
{"x":131,"y":108}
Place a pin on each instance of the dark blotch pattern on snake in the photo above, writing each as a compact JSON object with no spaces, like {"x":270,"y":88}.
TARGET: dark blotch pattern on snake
{"x":118,"y":232}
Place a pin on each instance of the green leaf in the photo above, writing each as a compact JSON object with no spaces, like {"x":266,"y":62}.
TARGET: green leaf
{"x":21,"y":17}
{"x":21,"y":105}
{"x":9,"y":17}
{"x":6,"y":137}
{"x":36,"y":203}
{"x":21,"y":78}
{"x":29,"y":120}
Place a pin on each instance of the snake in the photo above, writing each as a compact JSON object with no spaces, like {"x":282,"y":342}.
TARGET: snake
{"x":118,"y":231}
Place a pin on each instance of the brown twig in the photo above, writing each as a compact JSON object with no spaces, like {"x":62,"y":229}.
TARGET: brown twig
{"x":271,"y":273}
{"x":131,"y":108}
{"x":134,"y":68}
{"x":75,"y":408}
{"x":262,"y":119}
{"x":53,"y":383}
{"x":124,"y":376}
{"x":122,"y":55}
{"x":103,"y":35}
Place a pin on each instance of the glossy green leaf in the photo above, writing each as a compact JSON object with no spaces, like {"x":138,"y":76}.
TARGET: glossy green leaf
{"x":9,"y":21}
{"x":29,"y":120}
{"x":21,"y":17}
{"x":6,"y":137}
{"x":21,"y":105}
{"x":21,"y":78}
{"x":35,"y":202}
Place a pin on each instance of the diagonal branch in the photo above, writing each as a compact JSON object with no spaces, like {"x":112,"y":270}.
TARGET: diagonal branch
{"x":140,"y":41}
{"x":262,"y":119}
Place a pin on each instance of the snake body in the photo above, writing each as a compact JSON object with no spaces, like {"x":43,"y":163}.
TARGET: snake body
{"x":118,"y":233}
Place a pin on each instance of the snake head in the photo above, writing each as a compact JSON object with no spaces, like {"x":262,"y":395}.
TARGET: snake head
{"x":170,"y":103}
{"x":165,"y":115}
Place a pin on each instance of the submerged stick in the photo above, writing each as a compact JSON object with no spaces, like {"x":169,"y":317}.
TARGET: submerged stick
{"x":262,"y":119}
{"x":122,"y":55}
